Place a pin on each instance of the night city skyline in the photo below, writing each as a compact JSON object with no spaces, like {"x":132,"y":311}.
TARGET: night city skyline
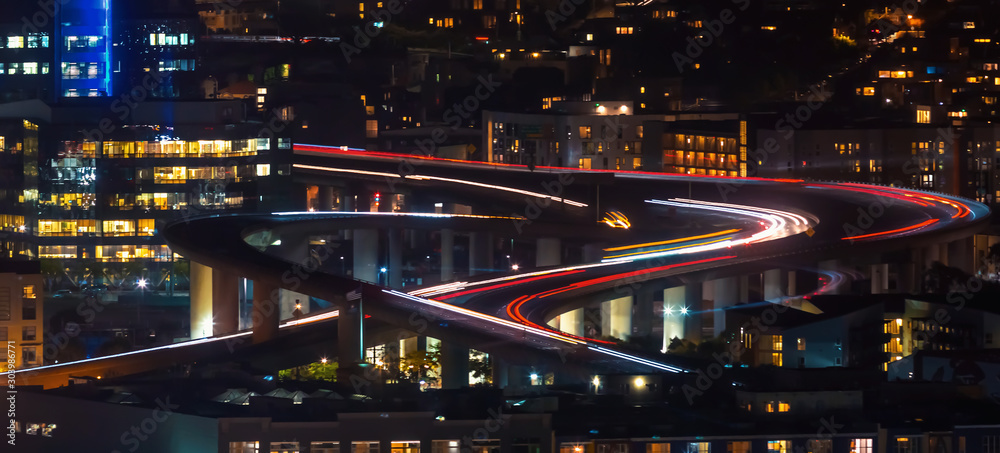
{"x":500,"y":226}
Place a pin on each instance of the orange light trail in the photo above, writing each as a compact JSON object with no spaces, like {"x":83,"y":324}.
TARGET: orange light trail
{"x":672,"y":241}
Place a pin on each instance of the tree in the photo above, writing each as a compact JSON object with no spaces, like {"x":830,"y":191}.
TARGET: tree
{"x":481,"y":368}
{"x":316,"y":371}
{"x":422,"y":365}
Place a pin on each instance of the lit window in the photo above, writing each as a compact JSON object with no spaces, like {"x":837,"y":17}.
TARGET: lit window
{"x":28,"y":292}
{"x":776,"y":342}
{"x":801,"y":344}
{"x":923,"y":116}
{"x":778,"y":446}
{"x":658,"y":447}
{"x":15,"y":42}
{"x":776,"y":358}
{"x":371,"y":128}
{"x":861,"y":446}
{"x":738,"y":447}
{"x":699,"y":447}
{"x":263,"y":169}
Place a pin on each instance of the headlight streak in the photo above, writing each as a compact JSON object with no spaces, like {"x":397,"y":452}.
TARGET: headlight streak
{"x":776,"y":227}
{"x":671,"y":241}
{"x":433,"y":215}
{"x":457,"y":286}
{"x":438,"y":178}
{"x":290,"y":323}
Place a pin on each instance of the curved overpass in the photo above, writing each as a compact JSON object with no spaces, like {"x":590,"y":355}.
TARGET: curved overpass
{"x":679,"y":228}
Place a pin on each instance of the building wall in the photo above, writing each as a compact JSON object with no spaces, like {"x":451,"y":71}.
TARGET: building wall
{"x":386,"y":428}
{"x":154,"y":428}
{"x":21,"y":327}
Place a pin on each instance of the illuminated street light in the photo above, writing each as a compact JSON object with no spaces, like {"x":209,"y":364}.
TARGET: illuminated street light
{"x":684,"y":310}
{"x":142,"y":283}
{"x":514,"y":267}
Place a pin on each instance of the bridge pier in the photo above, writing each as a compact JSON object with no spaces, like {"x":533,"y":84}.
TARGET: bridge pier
{"x":325,"y":198}
{"x":366,"y":255}
{"x":447,"y":255}
{"x":350,"y":351}
{"x":500,"y":370}
{"x":616,"y":318}
{"x":592,"y":253}
{"x":879,"y":278}
{"x":202,"y":305}
{"x":225,"y":301}
{"x":673,"y":319}
{"x":266,"y":313}
{"x":725,"y":293}
{"x":395,"y":267}
{"x":775,"y":284}
{"x":571,"y":322}
{"x":480,"y":253}
{"x":961,"y":256}
{"x":454,"y":365}
{"x":693,"y":294}
{"x":548,"y":252}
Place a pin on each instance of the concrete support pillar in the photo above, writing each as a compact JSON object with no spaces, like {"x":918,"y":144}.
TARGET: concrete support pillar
{"x":616,"y":317}
{"x":447,"y":255}
{"x":480,"y":253}
{"x":201,"y":301}
{"x":826,"y":268}
{"x":395,"y":270}
{"x":932,"y":254}
{"x":693,"y":295}
{"x":592,"y":253}
{"x":349,"y":346}
{"x":292,"y":301}
{"x":880,"y":278}
{"x":571,"y":322}
{"x":744,"y":295}
{"x":725,"y":294}
{"x":266,"y":313}
{"x":325,"y":198}
{"x":961,"y":254}
{"x":366,"y":255}
{"x":548,"y":252}
{"x":454,"y":365}
{"x":775,"y":284}
{"x":673,"y":319}
{"x":642,"y":322}
{"x":225,"y":301}
{"x":500,"y":371}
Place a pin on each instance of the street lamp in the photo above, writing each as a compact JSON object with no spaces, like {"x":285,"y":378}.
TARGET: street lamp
{"x":141,"y":283}
{"x":514,"y":267}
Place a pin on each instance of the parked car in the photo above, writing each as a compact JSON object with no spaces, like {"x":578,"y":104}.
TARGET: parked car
{"x":63,"y":293}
